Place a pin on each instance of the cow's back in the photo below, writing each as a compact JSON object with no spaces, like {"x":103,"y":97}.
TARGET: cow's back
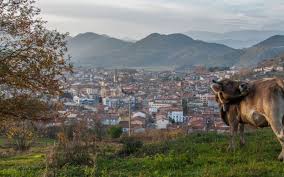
{"x":266,"y":96}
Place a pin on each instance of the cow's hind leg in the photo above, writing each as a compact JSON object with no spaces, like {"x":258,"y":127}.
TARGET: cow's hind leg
{"x":280,"y":137}
{"x":277,"y":127}
{"x":242,"y":138}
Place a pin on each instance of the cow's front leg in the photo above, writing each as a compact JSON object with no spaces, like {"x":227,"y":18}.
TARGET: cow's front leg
{"x":233,"y":133}
{"x":242,"y":137}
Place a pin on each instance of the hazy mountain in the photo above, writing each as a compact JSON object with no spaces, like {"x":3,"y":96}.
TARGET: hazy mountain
{"x":269,"y":48}
{"x":154,"y":50}
{"x":273,"y":41}
{"x":234,"y":39}
{"x":176,"y":50}
{"x":91,"y":46}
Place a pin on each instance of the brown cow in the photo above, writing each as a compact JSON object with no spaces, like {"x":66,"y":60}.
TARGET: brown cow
{"x":261,"y":106}
{"x":229,"y":109}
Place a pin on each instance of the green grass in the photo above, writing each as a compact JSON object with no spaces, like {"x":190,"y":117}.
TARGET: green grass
{"x":194,"y":155}
{"x":38,"y":141}
{"x":201,"y":155}
{"x":2,"y":140}
{"x":28,"y":165}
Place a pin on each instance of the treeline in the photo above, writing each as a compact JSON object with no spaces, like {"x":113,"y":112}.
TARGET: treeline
{"x":218,"y":68}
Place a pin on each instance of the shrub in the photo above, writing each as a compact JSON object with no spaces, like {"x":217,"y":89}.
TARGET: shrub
{"x":159,"y":135}
{"x":68,"y":153}
{"x":21,"y":136}
{"x":130,"y":145}
{"x":73,"y":154}
{"x":115,"y":131}
{"x":51,"y":132}
{"x":98,"y":130}
{"x":154,"y":148}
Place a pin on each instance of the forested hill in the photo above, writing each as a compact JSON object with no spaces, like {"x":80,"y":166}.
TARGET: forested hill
{"x":173,"y":50}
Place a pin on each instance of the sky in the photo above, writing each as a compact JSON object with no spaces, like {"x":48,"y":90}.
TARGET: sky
{"x":136,"y":19}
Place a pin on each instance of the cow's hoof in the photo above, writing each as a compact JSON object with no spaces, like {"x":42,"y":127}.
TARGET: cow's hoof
{"x":231,"y":148}
{"x":281,"y":156}
{"x":242,"y":144}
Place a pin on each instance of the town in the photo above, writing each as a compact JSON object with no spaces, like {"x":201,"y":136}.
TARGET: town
{"x":141,"y":88}
{"x":138,"y":100}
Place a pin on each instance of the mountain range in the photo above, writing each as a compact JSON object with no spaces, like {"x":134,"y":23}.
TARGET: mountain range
{"x":173,"y":50}
{"x":235,"y":39}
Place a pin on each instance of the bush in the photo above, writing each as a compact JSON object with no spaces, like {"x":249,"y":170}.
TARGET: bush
{"x":51,"y":132}
{"x":159,"y":135}
{"x":130,"y":145}
{"x":153,"y":149}
{"x":21,"y":136}
{"x":98,"y":130}
{"x":115,"y":131}
{"x":73,"y":154}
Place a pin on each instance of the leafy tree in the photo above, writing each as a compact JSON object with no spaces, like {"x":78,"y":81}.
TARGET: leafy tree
{"x":32,"y":60}
{"x":115,"y":131}
{"x":23,"y":107}
{"x":218,"y":68}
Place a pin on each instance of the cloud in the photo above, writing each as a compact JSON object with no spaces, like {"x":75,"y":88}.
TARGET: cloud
{"x":137,"y":18}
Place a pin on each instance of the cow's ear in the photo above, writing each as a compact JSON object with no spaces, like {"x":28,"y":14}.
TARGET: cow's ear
{"x":216,"y":88}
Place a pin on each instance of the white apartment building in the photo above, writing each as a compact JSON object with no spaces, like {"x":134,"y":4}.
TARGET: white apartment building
{"x":177,"y":116}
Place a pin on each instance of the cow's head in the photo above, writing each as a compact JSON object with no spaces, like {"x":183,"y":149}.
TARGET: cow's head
{"x":228,"y":90}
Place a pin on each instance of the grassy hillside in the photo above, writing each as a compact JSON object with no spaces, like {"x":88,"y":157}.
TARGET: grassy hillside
{"x":193,"y":155}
